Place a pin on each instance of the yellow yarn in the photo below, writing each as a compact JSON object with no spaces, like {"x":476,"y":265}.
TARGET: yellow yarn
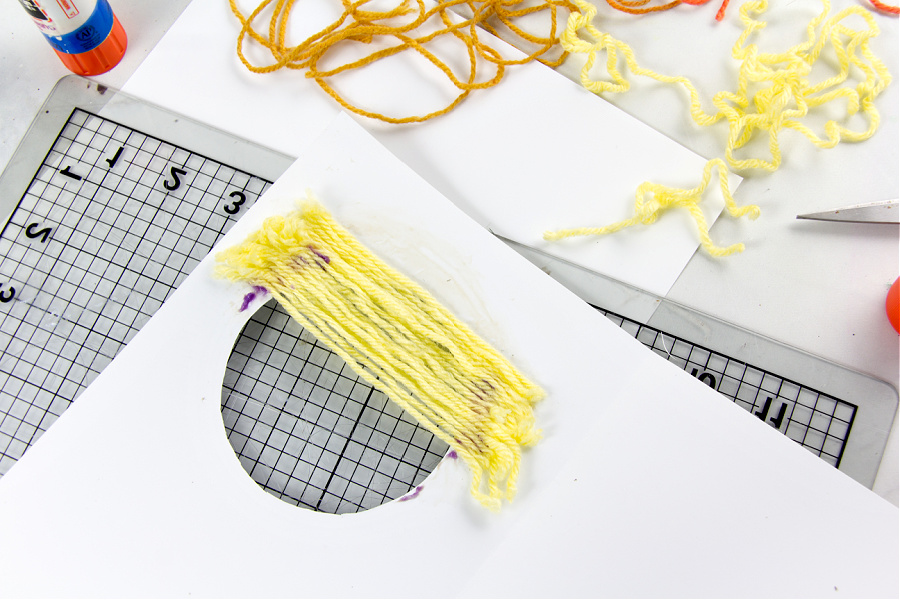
{"x":783,"y":93}
{"x":774,"y":93}
{"x":663,"y":198}
{"x":398,"y":338}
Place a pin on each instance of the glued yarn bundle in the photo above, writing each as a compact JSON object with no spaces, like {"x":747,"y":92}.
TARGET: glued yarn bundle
{"x":397,"y":338}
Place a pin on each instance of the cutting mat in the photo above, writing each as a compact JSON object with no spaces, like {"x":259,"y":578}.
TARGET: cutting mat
{"x":110,"y":202}
{"x":840,"y":415}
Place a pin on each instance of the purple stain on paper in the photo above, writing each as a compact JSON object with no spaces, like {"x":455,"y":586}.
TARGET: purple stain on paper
{"x":258,"y":290}
{"x":412,"y":495}
{"x":452,"y":454}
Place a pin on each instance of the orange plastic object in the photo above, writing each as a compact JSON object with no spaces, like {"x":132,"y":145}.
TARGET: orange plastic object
{"x":892,"y":305}
{"x":102,"y":58}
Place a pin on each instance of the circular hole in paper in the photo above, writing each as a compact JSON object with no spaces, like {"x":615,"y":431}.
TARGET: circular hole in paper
{"x":309,"y":431}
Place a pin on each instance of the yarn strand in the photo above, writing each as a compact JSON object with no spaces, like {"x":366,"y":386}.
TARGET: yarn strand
{"x":653,"y":199}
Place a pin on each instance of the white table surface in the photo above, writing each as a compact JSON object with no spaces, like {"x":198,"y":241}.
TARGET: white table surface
{"x":818,"y":287}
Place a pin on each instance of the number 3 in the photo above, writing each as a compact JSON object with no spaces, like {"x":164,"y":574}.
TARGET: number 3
{"x":234,"y":207}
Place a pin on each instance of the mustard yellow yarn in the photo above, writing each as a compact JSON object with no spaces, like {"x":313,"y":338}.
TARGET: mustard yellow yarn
{"x":405,"y":25}
{"x":652,"y":199}
{"x":398,"y":338}
{"x":774,"y":91}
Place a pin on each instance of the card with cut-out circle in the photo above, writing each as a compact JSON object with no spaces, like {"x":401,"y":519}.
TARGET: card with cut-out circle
{"x":642,"y":468}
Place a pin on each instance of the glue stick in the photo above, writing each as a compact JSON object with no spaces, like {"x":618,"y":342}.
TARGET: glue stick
{"x":85,"y":34}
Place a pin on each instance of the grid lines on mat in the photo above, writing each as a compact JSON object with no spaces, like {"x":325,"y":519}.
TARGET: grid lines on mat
{"x":817,"y":421}
{"x":111,"y":223}
{"x":309,"y":430}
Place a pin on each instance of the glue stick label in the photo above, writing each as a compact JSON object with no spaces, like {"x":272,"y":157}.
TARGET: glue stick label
{"x":69,"y":27}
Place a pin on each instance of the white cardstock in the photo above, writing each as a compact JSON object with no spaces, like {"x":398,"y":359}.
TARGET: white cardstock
{"x":507,"y":156}
{"x":646,"y":482}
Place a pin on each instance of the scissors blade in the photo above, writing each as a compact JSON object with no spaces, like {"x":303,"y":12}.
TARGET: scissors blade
{"x":873,"y":212}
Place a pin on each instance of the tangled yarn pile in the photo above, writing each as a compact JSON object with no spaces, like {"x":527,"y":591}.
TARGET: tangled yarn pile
{"x":409,"y":25}
{"x":774,"y":90}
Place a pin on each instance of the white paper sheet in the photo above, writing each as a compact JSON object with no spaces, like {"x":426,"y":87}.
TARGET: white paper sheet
{"x":510,"y":157}
{"x":646,"y":483}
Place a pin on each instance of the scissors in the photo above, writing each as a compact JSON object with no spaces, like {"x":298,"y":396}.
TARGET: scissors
{"x":874,"y":212}
{"x":887,"y":211}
